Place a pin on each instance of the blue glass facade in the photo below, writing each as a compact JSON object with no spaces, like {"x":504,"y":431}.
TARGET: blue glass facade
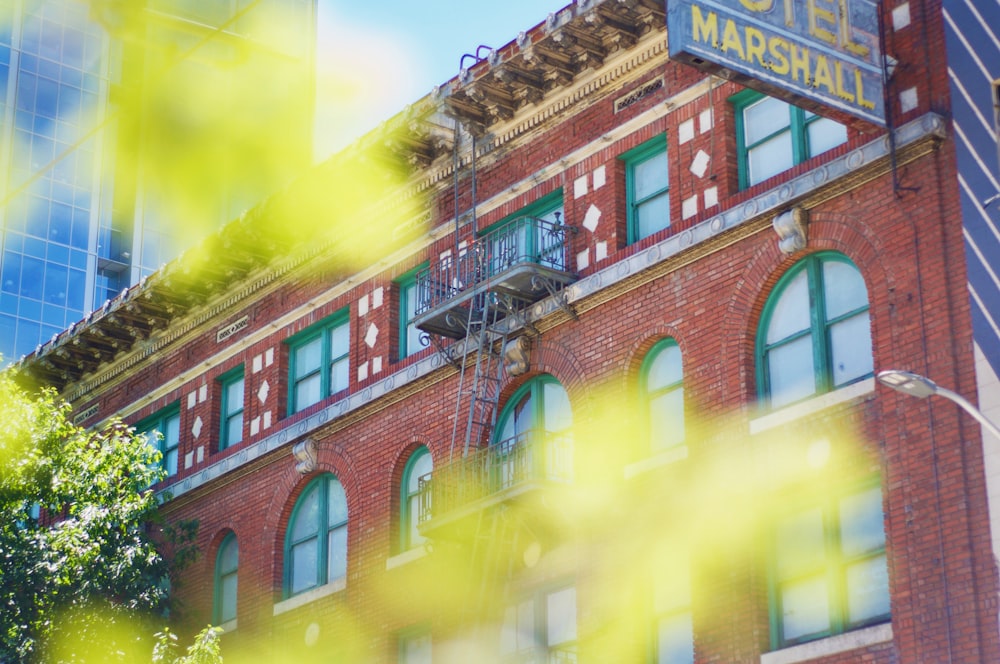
{"x":53,"y":81}
{"x":78,"y":223}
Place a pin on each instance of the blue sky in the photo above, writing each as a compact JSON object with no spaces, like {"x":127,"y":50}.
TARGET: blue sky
{"x":376,"y":56}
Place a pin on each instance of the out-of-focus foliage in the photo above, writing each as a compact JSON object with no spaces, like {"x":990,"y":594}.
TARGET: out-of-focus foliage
{"x":204,"y":650}
{"x":84,"y":562}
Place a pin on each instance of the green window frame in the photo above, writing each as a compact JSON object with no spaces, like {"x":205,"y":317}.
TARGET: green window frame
{"x":527,"y":242}
{"x":773,"y":136}
{"x":673,"y":631}
{"x":541,"y":627}
{"x":647,"y":189}
{"x":829,"y":573}
{"x":414,"y":645}
{"x":319,"y":361}
{"x":164,"y":427}
{"x":419,"y":464}
{"x":815,"y":331}
{"x":231,"y":408}
{"x":226,"y":577}
{"x":662,"y":382}
{"x":316,"y":538}
{"x":409,"y":300}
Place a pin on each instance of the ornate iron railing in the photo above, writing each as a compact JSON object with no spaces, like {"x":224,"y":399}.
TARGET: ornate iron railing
{"x":532,"y":456}
{"x":525,"y":240}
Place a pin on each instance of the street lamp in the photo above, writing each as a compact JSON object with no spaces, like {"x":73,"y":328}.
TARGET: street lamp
{"x":916,"y":385}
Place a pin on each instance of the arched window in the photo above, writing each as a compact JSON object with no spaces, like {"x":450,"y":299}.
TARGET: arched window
{"x":316,"y":540}
{"x":815,"y":334}
{"x":663,"y":389}
{"x":418,"y":465}
{"x":226,"y":564}
{"x":533,"y":434}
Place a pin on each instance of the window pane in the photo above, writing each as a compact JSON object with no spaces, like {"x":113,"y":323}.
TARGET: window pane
{"x":307,"y":516}
{"x":307,"y":392}
{"x":769,"y":158}
{"x":652,"y":215}
{"x":413,"y":536}
{"x":338,"y":376}
{"x":805,"y":608}
{"x":339,"y":341}
{"x":170,"y":461}
{"x":336,"y":503}
{"x":765,"y":117}
{"x":790,"y":314}
{"x":307,"y":357}
{"x":229,"y":556}
{"x":666,"y":419}
{"x":675,"y":640}
{"x":519,"y":418}
{"x":228,"y":598}
{"x":518,"y":632}
{"x":791,"y":371}
{"x":800,"y":544}
{"x":422,"y":465}
{"x":843,"y":289}
{"x":234,"y":429}
{"x":561,"y":616}
{"x":867,"y":590}
{"x":665,"y":368}
{"x":650,"y":176}
{"x":304,"y":565}
{"x":416,"y":649}
{"x":172,"y":431}
{"x":861,"y":523}
{"x":825,"y":134}
{"x":337,"y":553}
{"x":234,"y":396}
{"x":851,"y":347}
{"x":558,"y":416}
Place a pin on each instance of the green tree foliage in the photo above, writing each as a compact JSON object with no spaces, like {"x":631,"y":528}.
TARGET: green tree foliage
{"x":85,"y":559}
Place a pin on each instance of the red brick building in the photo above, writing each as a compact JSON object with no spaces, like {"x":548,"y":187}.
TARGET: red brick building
{"x":641,"y":423}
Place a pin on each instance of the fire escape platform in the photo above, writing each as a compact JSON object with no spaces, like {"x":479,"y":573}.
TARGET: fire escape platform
{"x":523,"y":283}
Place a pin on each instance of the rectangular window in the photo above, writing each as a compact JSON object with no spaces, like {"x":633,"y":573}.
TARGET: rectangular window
{"x":829,"y":569}
{"x":232,"y":408}
{"x":163,"y":431}
{"x":319,"y":362}
{"x":647,"y":187}
{"x":409,"y":335}
{"x":673,"y":635}
{"x":542,"y":627}
{"x":415,"y":646}
{"x":772,"y":136}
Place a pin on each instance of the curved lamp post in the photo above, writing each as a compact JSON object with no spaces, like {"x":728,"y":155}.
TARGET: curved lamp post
{"x":916,"y":385}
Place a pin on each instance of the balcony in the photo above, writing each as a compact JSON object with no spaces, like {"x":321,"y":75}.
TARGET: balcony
{"x":520,"y":262}
{"x":511,"y":471}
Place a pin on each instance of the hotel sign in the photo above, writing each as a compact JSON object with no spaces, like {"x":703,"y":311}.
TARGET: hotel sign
{"x":821,"y":52}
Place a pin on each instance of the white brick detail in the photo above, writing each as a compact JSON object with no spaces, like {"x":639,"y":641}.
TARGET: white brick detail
{"x":202,"y":393}
{"x":267,"y":419}
{"x":268,"y":357}
{"x":377,"y":296}
{"x":362,"y":371}
{"x":685,"y":131}
{"x":908,"y":99}
{"x":901,"y":16}
{"x":705,"y":121}
{"x":700,"y":163}
{"x":363,"y":305}
{"x":600,"y":177}
{"x":192,"y":400}
{"x":711,"y":196}
{"x":263,"y":391}
{"x":689,"y":207}
{"x":592,"y":218}
{"x":371,"y":336}
{"x":189,"y":459}
{"x":255,"y":426}
{"x":583,"y":260}
{"x":601,"y":251}
{"x":580,"y":186}
{"x":377,"y":365}
{"x":258,"y":363}
{"x":201,"y":453}
{"x":196,"y":427}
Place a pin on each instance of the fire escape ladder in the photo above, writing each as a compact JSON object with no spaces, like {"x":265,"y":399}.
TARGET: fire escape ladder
{"x":493,"y":545}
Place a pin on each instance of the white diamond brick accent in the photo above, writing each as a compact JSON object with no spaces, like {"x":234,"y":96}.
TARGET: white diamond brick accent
{"x":700,"y":163}
{"x":263,"y":391}
{"x":371,"y":336}
{"x":196,"y":427}
{"x":901,"y":16}
{"x":592,"y":218}
{"x":908,"y":99}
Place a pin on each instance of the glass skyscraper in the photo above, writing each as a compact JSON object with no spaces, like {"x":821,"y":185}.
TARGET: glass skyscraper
{"x":86,"y":111}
